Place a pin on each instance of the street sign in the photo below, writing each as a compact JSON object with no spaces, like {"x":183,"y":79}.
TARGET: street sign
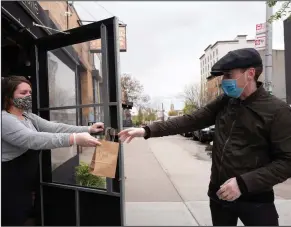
{"x":260,"y":42}
{"x":260,"y":28}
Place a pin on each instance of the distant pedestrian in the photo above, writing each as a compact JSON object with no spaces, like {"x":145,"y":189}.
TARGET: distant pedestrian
{"x":252,"y":142}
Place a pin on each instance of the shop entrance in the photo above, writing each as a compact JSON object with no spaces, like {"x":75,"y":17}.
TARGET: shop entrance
{"x":63,"y":201}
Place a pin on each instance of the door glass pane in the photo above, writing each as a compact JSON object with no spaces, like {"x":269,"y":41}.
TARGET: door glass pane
{"x":64,"y":159}
{"x":70,"y":165}
{"x":66,"y":63}
{"x":62,"y":91}
{"x":86,"y":153}
{"x":91,"y":114}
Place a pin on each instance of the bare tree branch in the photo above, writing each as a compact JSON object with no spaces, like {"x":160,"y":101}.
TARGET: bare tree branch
{"x":192,"y":95}
{"x":132,"y":91}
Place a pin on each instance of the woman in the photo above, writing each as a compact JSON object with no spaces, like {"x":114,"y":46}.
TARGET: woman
{"x":23,"y":134}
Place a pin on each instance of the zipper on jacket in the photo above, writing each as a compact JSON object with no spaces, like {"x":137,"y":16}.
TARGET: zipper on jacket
{"x":223,"y":150}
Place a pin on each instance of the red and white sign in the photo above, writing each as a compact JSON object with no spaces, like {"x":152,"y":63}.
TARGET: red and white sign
{"x":261,"y":28}
{"x":260,"y":42}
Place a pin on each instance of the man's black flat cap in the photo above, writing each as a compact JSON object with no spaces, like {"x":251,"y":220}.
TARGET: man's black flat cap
{"x":237,"y":59}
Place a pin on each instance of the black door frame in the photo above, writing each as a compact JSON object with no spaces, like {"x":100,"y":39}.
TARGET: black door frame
{"x":287,"y":36}
{"x":107,"y":30}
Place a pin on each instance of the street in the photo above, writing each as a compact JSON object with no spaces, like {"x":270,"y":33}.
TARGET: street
{"x":167,"y":180}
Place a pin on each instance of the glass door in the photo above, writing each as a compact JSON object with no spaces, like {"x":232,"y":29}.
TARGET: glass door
{"x":65,"y":95}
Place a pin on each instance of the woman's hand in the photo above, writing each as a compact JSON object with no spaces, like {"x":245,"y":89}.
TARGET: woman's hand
{"x":97,"y":127}
{"x":130,"y":133}
{"x":84,"y":139}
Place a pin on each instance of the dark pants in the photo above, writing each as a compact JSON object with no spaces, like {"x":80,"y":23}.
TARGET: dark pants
{"x":19,"y":180}
{"x":251,"y":214}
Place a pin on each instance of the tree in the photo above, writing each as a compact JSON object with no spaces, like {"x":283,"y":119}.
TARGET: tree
{"x":194,"y":98}
{"x":282,"y":12}
{"x":173,"y":113}
{"x":188,"y":108}
{"x":140,"y":117}
{"x":132,"y":91}
{"x":192,"y":95}
{"x":150,"y":114}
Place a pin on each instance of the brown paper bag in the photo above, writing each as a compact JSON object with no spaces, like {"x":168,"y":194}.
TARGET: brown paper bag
{"x":104,"y":160}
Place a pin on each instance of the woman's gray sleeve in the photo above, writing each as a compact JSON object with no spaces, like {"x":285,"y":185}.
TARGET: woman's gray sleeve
{"x":16,"y":133}
{"x":48,"y":126}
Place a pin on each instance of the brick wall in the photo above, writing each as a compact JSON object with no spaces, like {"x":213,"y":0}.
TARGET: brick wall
{"x":57,"y":14}
{"x":213,"y":88}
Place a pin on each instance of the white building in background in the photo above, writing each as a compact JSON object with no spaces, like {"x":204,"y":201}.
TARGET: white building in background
{"x":211,"y":86}
{"x":278,"y":75}
{"x":216,"y":51}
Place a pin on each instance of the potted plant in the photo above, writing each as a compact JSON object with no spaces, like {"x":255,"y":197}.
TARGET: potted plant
{"x":85,"y":178}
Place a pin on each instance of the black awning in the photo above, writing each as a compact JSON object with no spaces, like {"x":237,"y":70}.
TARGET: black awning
{"x":16,"y":12}
{"x":22,"y":15}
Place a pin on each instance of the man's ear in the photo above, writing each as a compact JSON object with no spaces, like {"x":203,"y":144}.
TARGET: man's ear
{"x":251,"y":74}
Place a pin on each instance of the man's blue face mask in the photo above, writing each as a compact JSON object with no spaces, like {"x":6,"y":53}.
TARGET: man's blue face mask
{"x":230,"y":87}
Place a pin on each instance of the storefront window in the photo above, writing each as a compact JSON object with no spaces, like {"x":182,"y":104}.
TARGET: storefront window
{"x":62,"y":91}
{"x":61,"y":155}
{"x":71,"y":165}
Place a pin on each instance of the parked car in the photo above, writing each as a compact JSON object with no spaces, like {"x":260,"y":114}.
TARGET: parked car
{"x":204,"y":135}
{"x":187,"y":134}
{"x":212,"y":131}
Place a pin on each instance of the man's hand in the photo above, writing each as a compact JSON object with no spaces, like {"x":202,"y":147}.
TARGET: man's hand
{"x":97,"y":127}
{"x":130,"y":133}
{"x":229,"y":191}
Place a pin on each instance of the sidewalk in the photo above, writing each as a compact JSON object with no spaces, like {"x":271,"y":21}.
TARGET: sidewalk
{"x":151,"y":198}
{"x":167,"y":185}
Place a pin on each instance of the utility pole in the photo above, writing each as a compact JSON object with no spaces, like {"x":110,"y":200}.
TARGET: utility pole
{"x":269,"y":50}
{"x":163,"y":116}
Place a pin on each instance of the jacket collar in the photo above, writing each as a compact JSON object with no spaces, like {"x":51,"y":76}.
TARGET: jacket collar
{"x":258,"y":93}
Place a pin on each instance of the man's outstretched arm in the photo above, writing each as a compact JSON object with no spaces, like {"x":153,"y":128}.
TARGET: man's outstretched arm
{"x":199,"y":119}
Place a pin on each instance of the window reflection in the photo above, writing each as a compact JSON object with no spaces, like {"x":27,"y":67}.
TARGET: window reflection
{"x":62,"y":91}
{"x":60,"y":156}
{"x":70,"y":165}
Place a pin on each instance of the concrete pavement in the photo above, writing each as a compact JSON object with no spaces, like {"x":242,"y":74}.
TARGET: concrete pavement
{"x":167,"y":180}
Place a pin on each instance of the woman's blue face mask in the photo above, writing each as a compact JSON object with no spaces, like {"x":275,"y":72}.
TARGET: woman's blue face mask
{"x":231,"y":88}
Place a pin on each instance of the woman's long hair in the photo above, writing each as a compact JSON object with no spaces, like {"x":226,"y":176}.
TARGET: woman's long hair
{"x":8,"y":87}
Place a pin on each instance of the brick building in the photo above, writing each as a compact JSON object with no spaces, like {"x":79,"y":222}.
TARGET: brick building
{"x":65,"y":17}
{"x":65,"y":75}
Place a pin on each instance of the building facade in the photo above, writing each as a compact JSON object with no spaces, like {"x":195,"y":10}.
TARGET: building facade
{"x":278,"y":75}
{"x":62,"y":88}
{"x":210,"y":86}
{"x":66,"y":88}
{"x":65,"y":17}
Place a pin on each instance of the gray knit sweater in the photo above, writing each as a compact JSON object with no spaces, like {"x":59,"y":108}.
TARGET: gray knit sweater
{"x":33,"y":133}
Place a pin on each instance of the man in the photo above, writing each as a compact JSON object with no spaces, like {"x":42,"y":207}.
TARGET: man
{"x":252,"y":142}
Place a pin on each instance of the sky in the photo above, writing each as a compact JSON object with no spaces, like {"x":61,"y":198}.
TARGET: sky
{"x":166,"y":39}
